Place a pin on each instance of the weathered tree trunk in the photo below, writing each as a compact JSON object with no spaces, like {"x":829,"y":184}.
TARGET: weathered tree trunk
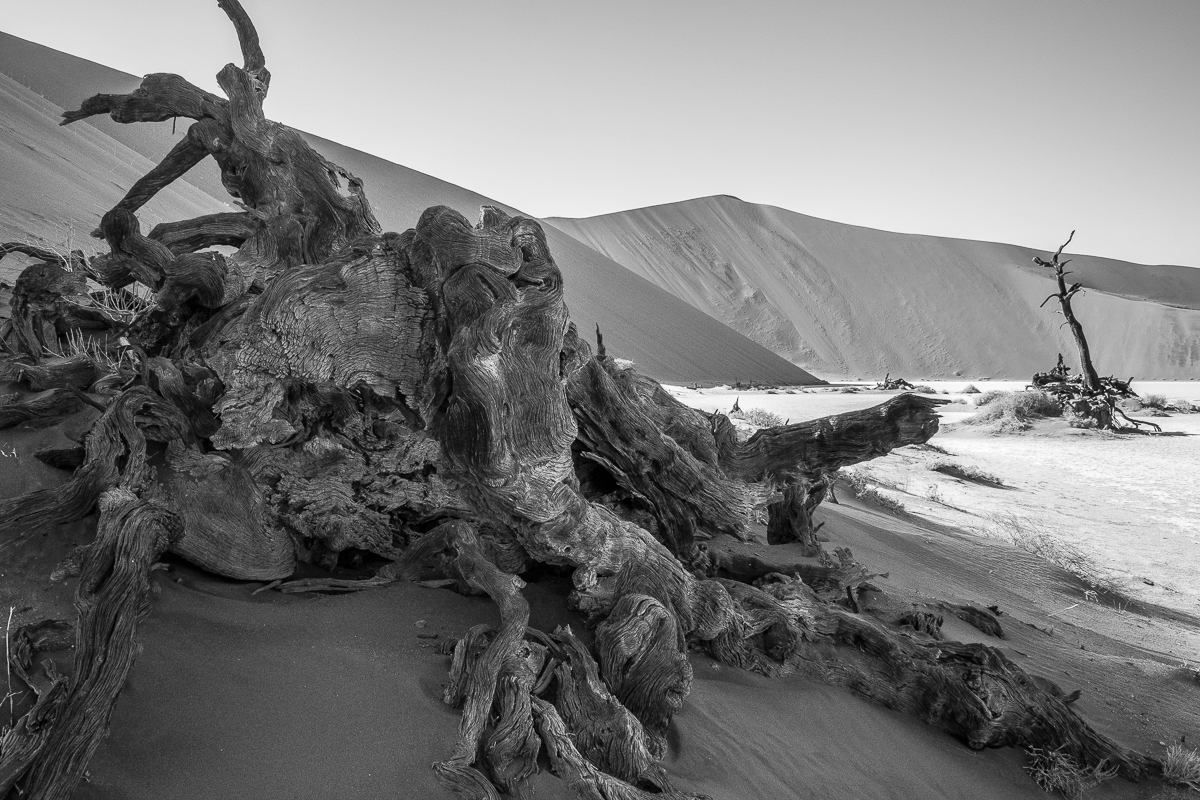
{"x":1091,"y":379}
{"x":113,"y":597}
{"x":424,"y":397}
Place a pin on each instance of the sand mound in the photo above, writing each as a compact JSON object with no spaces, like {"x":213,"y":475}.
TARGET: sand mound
{"x":844,"y":300}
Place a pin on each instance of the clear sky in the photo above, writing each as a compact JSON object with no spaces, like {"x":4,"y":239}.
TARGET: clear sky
{"x":1004,"y":120}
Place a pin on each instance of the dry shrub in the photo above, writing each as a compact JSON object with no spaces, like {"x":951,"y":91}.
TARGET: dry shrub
{"x":873,"y":495}
{"x":970,"y":388}
{"x":921,"y":388}
{"x":1054,"y":770}
{"x":966,"y":473}
{"x":989,"y":396}
{"x":1009,"y":412}
{"x":1182,"y":767}
{"x":863,"y":490}
{"x":1157,"y":401}
{"x":759,"y":416}
{"x":1130,"y":404}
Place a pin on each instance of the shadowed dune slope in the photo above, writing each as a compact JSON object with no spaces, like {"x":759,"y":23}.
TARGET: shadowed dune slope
{"x":56,"y":182}
{"x":843,"y":300}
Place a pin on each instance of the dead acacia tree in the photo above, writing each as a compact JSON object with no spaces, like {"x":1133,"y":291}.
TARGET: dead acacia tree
{"x":1091,"y":380}
{"x":1087,"y":395}
{"x":423,"y":399}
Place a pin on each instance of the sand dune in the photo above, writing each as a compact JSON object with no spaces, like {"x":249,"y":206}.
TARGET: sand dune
{"x":849,"y":301}
{"x":54,"y":179}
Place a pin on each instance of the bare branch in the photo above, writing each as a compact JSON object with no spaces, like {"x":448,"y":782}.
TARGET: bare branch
{"x":254,"y":62}
{"x":187,"y":153}
{"x":188,"y":236}
{"x":1064,"y":246}
{"x":160,"y":97}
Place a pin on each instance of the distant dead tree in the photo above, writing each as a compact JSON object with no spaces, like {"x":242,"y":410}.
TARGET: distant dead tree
{"x":889,"y":384}
{"x":1087,"y":395}
{"x":1091,"y":380}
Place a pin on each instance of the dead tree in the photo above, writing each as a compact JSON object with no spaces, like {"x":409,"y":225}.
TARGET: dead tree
{"x":1091,"y":380}
{"x":889,"y":384}
{"x":1087,"y":395}
{"x":422,"y":398}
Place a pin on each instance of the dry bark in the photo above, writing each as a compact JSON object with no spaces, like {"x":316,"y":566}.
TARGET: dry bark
{"x":112,"y":598}
{"x":45,"y":407}
{"x":327,"y":391}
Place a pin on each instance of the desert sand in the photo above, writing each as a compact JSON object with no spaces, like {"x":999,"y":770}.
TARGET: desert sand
{"x":858,"y":302}
{"x":1096,"y":492}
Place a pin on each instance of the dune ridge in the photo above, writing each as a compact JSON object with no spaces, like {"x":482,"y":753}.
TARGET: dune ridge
{"x":844,"y":300}
{"x":54,"y":179}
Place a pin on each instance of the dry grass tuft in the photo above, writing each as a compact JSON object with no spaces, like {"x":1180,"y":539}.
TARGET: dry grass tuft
{"x":1158,"y":401}
{"x":120,"y":306}
{"x":77,"y":344}
{"x":758,"y":416}
{"x":966,"y":473}
{"x":1054,"y":770}
{"x":863,"y":490}
{"x":1011,"y":412}
{"x":1182,"y":767}
{"x":1034,"y":538}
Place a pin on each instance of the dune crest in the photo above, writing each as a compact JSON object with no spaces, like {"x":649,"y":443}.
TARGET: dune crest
{"x":844,"y":300}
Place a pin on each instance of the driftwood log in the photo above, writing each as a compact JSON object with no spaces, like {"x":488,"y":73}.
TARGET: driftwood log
{"x":422,"y":399}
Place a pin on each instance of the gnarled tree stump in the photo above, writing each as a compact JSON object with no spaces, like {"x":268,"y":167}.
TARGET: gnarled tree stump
{"x":424,"y":398}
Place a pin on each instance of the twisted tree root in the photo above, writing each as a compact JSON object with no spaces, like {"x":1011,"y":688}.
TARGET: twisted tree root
{"x":112,"y":598}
